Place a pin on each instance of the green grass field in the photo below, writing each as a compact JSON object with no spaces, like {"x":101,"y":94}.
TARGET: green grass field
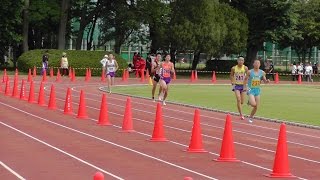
{"x":285,"y":102}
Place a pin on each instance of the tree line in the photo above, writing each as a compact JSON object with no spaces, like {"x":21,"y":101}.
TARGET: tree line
{"x":214,"y":27}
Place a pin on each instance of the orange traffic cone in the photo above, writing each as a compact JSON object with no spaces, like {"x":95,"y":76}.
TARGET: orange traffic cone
{"x":58,"y":76}
{"x":127,"y":125}
{"x":23,"y":92}
{"x":7,"y":89}
{"x":158,"y":131}
{"x":124,"y":75}
{"x":98,"y":176}
{"x":227,"y":153}
{"x":103,"y":116}
{"x":51,"y":72}
{"x":82,"y":112}
{"x":44,"y":76}
{"x":281,"y":162}
{"x":70,"y":72}
{"x":276,"y":79}
{"x":73,"y":76}
{"x":31,"y":93}
{"x":41,"y":100}
{"x":29,"y":76}
{"x":87,"y":75}
{"x":4,"y":77}
{"x":52,"y":101}
{"x":15,"y":88}
{"x":34,"y":71}
{"x":192,"y":76}
{"x":103,"y":76}
{"x":214,"y":78}
{"x":299,"y":79}
{"x":68,"y":103}
{"x":142,"y":75}
{"x":196,"y":138}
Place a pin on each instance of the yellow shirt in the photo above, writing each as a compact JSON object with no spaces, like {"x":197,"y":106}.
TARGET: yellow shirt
{"x":239,"y":74}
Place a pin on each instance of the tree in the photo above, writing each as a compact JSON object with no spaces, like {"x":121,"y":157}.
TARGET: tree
{"x":204,"y":26}
{"x":269,"y":20}
{"x":65,"y":7}
{"x":10,"y":25}
{"x":306,"y":30}
{"x":116,"y":25}
{"x":25,"y":25}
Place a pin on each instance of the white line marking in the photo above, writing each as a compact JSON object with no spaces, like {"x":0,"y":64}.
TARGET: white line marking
{"x":205,"y":124}
{"x":12,"y":171}
{"x":212,"y":137}
{"x":109,"y":142}
{"x":61,"y":151}
{"x":210,"y":117}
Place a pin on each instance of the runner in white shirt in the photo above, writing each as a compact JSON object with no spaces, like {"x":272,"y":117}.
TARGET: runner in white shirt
{"x":104,"y":60}
{"x":111,"y":68}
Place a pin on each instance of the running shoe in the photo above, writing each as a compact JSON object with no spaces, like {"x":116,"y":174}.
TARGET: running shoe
{"x":250,"y":120}
{"x":242,"y":117}
{"x":164,"y":103}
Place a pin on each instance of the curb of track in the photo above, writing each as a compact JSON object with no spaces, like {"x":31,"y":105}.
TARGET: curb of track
{"x":215,"y":110}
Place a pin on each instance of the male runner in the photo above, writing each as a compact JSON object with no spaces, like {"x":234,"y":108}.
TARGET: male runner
{"x":252,"y":85}
{"x":155,"y":74}
{"x":237,"y":76}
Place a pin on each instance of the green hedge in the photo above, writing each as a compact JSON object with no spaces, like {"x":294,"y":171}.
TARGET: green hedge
{"x":76,"y":58}
{"x":224,"y":65}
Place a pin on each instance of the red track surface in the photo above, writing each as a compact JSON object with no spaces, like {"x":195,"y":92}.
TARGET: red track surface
{"x":38,"y":143}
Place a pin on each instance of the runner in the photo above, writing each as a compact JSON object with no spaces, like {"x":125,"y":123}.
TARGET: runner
{"x":252,"y":84}
{"x":155,"y":74}
{"x":111,"y":68}
{"x":166,"y":69}
{"x":237,"y":76}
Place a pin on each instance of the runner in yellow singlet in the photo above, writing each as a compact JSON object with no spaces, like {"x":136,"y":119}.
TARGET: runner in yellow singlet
{"x":237,"y":76}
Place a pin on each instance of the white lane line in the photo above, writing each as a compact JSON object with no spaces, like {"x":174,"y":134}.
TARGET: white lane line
{"x":210,"y":117}
{"x":112,"y":143}
{"x":205,"y":124}
{"x":61,"y":151}
{"x":12,"y":171}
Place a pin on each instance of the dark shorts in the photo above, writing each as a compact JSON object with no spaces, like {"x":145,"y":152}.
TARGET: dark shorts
{"x":166,"y":79}
{"x":238,"y":88}
{"x":156,"y":77}
{"x":111,"y":74}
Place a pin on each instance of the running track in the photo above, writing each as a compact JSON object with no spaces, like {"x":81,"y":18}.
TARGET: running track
{"x":37,"y":143}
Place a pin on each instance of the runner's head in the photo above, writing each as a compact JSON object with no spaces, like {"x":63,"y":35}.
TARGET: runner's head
{"x":167,"y":57}
{"x":158,"y":58}
{"x":256,"y":64}
{"x":240,"y":60}
{"x":111,"y":56}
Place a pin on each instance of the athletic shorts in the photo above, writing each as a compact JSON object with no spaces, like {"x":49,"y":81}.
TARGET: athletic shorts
{"x":238,"y":88}
{"x":156,"y":78}
{"x":254,"y":92}
{"x":166,"y":79}
{"x":111,"y":74}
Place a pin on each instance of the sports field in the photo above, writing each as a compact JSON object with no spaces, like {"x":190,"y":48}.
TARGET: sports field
{"x":285,"y":102}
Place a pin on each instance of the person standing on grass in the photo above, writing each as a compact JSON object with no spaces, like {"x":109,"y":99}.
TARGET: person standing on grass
{"x":252,"y":86}
{"x":308,"y":72}
{"x":104,"y":60}
{"x":155,"y":74}
{"x":111,"y":69}
{"x":64,"y":64}
{"x":237,"y":76}
{"x":166,"y":69}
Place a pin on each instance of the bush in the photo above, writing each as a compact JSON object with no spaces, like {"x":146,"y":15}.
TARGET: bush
{"x":76,"y":58}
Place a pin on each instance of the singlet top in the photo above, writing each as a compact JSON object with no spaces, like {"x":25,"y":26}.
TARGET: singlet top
{"x":158,"y":69}
{"x":64,"y":62}
{"x":255,"y":79}
{"x":166,"y":70}
{"x":239,"y":74}
{"x":110,"y":66}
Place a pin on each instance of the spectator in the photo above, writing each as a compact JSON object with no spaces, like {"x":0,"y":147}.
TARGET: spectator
{"x":271,"y":71}
{"x":315,"y":68}
{"x":45,"y":62}
{"x":300,"y":70}
{"x":141,"y":65}
{"x":308,"y":72}
{"x":294,"y":71}
{"x":64,"y":64}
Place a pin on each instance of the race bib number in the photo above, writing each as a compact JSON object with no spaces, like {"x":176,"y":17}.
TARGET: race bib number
{"x":255,"y":83}
{"x":239,"y":78}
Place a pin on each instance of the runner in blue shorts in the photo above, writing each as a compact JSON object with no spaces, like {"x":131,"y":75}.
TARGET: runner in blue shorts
{"x":252,"y":85}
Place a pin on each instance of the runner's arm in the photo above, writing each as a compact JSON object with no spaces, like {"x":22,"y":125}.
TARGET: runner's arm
{"x":232,"y":76}
{"x":265,"y":80}
{"x":245,"y":82}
